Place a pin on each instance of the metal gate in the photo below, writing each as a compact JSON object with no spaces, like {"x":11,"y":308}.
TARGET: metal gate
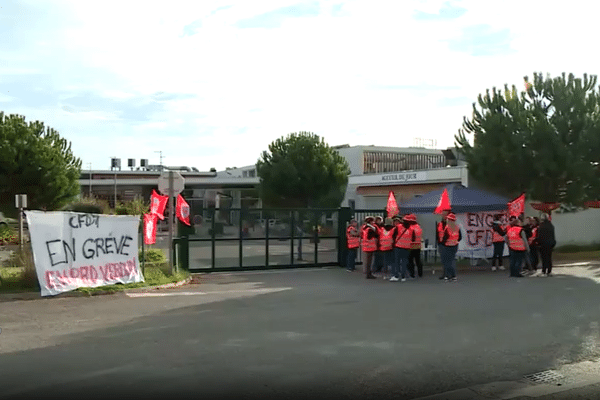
{"x":237,"y":239}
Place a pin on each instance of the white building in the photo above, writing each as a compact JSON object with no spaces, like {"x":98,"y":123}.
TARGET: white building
{"x":409,"y":171}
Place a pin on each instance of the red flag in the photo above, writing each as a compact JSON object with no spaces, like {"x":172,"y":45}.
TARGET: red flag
{"x":158,"y":204}
{"x":444,"y":203}
{"x":392,"y":206}
{"x":182,"y":210}
{"x":150,"y":228}
{"x":517,"y":206}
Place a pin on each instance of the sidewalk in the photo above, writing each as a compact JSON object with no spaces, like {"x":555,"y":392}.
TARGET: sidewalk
{"x":570,"y":381}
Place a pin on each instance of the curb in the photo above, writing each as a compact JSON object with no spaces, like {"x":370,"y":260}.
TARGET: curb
{"x":22,"y":296}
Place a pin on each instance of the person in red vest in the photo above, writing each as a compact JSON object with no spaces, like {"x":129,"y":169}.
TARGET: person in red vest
{"x":369,"y":238}
{"x":414,"y":256}
{"x":449,"y":246}
{"x":403,"y":237}
{"x":353,"y":241}
{"x":439,"y":229}
{"x":386,"y":244}
{"x":378,"y":261}
{"x":518,"y":246}
{"x":498,"y":234}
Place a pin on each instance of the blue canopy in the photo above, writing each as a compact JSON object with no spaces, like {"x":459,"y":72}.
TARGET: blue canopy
{"x":462,"y":199}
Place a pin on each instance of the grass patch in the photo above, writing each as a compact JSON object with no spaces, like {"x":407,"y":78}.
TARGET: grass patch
{"x":18,"y":274}
{"x":153,"y":275}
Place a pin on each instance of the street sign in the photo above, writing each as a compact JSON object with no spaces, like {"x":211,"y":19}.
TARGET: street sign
{"x":178,"y":183}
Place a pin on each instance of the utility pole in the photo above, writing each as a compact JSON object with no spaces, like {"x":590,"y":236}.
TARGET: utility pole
{"x":90,"y":165}
{"x":115,"y":205}
{"x":161,"y":157}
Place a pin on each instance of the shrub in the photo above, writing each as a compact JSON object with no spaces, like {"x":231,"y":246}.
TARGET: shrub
{"x":575,"y":248}
{"x":22,"y":260}
{"x":8,"y":235}
{"x":155,"y":256}
{"x":88,"y":205}
{"x":136,"y":206}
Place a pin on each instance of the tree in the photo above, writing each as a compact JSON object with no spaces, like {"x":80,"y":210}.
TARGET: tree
{"x":301,"y":170}
{"x":543,"y":141}
{"x":35,"y":160}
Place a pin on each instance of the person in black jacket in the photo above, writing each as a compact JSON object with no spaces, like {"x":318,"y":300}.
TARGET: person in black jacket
{"x":546,"y":243}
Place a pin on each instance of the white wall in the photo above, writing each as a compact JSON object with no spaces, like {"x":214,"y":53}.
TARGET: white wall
{"x":582,"y":227}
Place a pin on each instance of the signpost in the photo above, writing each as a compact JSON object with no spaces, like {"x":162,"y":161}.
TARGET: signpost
{"x":21,"y":203}
{"x":170,"y":184}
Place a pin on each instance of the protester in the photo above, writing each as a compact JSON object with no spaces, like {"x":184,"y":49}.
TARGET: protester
{"x":369,"y":236}
{"x":378,"y":256}
{"x":450,"y":238}
{"x":414,"y":256}
{"x":386,"y":243}
{"x":518,"y":246}
{"x":546,"y":242}
{"x":403,"y":238}
{"x":498,"y":233}
{"x":353,"y":240}
{"x":439,"y":229}
{"x":533,"y":244}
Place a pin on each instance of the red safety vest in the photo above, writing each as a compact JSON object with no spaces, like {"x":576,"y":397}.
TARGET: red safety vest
{"x":386,"y":240}
{"x":533,"y":235}
{"x":452,"y":236}
{"x":353,"y":241}
{"x":515,"y":241}
{"x":368,"y":245}
{"x":496,"y":237}
{"x":416,"y":244}
{"x":404,"y":238}
{"x":440,"y":231}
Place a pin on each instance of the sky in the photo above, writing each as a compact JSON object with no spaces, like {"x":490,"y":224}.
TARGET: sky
{"x":211,"y":84}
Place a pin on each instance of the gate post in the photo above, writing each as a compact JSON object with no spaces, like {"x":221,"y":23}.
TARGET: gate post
{"x":344,"y":216}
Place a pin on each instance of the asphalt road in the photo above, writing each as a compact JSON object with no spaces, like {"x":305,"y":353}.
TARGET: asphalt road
{"x":300,"y":334}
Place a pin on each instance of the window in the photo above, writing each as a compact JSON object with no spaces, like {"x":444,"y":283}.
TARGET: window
{"x":382,"y":162}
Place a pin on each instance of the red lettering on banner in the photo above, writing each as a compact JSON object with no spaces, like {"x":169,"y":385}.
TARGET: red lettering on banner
{"x":104,"y":270}
{"x":49,"y":282}
{"x":74,"y":272}
{"x":84,"y":273}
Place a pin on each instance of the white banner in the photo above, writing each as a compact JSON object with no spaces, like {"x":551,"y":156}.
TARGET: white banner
{"x":72,"y":250}
{"x":477,"y":234}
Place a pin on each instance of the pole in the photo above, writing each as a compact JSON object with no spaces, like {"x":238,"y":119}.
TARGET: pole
{"x":171,"y":216}
{"x":90,"y":164}
{"x":21,"y":228}
{"x":115,"y":190}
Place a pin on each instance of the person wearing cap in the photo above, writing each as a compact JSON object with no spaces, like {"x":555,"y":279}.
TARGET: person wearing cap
{"x":369,"y":239}
{"x":449,"y":246}
{"x":353,"y":243}
{"x":414,"y":256}
{"x":439,"y":229}
{"x":386,"y":244}
{"x":403,"y":237}
{"x":498,"y":234}
{"x":518,"y":246}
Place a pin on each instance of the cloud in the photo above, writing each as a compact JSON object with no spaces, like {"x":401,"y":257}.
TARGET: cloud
{"x":483,"y":40}
{"x":447,"y":12}
{"x":200,"y":82}
{"x":274,"y":18}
